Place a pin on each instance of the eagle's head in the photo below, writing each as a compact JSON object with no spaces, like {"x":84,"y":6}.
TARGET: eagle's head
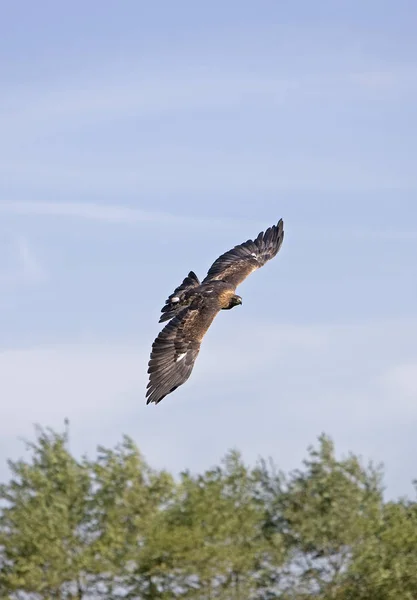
{"x":234,"y":301}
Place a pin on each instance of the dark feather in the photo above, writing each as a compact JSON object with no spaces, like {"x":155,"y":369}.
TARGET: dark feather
{"x":176,"y":348}
{"x":173,"y":308}
{"x":236,"y":264}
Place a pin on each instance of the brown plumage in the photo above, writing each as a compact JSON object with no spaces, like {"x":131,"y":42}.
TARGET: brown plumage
{"x":192,"y":307}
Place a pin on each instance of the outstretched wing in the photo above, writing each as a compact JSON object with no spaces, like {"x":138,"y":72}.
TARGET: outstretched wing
{"x":179,"y":298}
{"x":236,"y":264}
{"x":176,"y":348}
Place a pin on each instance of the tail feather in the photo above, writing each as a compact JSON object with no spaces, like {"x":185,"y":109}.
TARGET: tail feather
{"x":178,"y":299}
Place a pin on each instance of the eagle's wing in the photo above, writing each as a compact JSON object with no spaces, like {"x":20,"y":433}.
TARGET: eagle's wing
{"x":176,"y":348}
{"x":179,"y":298}
{"x":236,"y":264}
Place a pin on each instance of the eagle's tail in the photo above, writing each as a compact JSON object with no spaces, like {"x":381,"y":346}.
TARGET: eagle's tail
{"x":178,"y":299}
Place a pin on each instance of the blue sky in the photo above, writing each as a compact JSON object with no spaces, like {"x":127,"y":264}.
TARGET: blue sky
{"x":142,"y":140}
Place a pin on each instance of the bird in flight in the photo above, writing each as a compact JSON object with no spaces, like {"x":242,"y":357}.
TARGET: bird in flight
{"x":192,"y":307}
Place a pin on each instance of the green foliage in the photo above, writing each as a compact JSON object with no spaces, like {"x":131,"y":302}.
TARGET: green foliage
{"x":215,"y":529}
{"x":126,"y":504}
{"x":322,"y":512}
{"x":44,"y":524}
{"x":113,"y":527}
{"x":384,"y":564}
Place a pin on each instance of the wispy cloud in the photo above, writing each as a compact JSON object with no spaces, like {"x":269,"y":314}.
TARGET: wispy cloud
{"x":386,"y":234}
{"x":26,"y":268}
{"x":32,"y":270}
{"x":84,"y":110}
{"x":105,"y":213}
{"x":85,"y":210}
{"x":140,"y":95}
{"x":119,"y":214}
{"x":128,"y":215}
{"x":137,"y":94}
{"x":398,"y":79}
{"x":167,"y":168}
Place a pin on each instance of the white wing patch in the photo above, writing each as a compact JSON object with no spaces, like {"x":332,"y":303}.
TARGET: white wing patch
{"x":253,"y":254}
{"x":180,"y":356}
{"x":175,"y":299}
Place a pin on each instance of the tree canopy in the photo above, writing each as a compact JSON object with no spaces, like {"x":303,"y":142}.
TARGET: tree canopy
{"x":113,"y":527}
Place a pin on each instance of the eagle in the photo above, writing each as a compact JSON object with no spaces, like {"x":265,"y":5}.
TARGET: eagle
{"x":192,"y":307}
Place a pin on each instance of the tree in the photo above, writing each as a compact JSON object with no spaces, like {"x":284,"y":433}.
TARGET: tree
{"x":322,"y":514}
{"x":114,"y":527}
{"x":213,"y":533}
{"x":128,"y":497}
{"x":384,"y":562}
{"x":44,"y":523}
